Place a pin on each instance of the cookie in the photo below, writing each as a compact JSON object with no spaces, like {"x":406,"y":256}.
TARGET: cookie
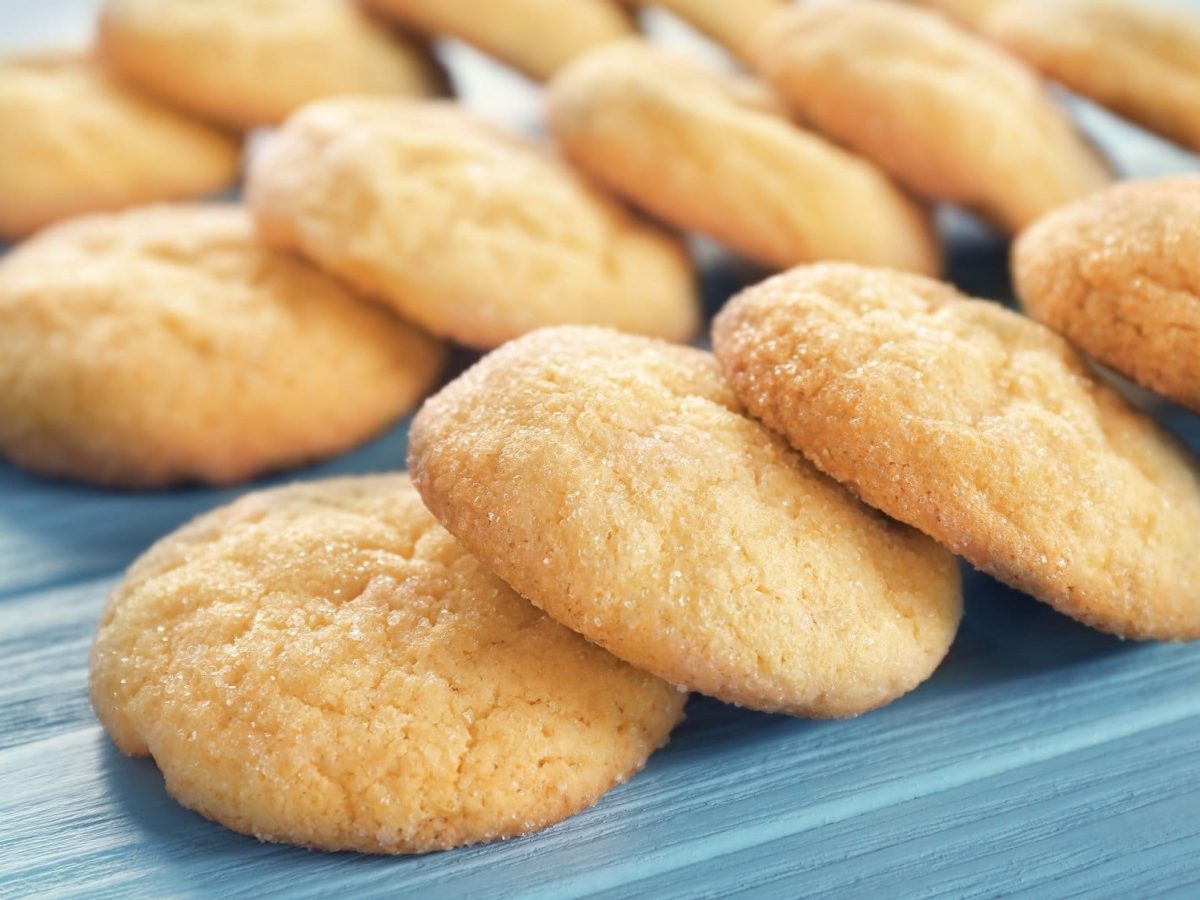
{"x":73,"y":140}
{"x":323,"y":665}
{"x":614,"y":481}
{"x":476,"y":234}
{"x":536,"y":37}
{"x":981,"y":428}
{"x":970,"y":13}
{"x":166,"y":344}
{"x":949,"y":115}
{"x":1140,"y":59}
{"x":1118,"y":275}
{"x":711,"y":152}
{"x":732,"y":25}
{"x":243,"y":63}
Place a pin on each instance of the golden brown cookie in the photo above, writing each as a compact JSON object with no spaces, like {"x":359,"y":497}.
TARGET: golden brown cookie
{"x":615,"y":482}
{"x":476,"y":234}
{"x":1118,"y":275}
{"x":1140,"y":58}
{"x":970,"y":13}
{"x":243,"y":63}
{"x":166,"y":344}
{"x":733,"y":25}
{"x":981,"y":428}
{"x":73,"y":140}
{"x":946,"y":113}
{"x":536,"y":37}
{"x":323,"y":665}
{"x":711,"y":152}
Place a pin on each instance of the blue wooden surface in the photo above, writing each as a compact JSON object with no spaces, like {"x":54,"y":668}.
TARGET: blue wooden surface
{"x":1043,"y":759}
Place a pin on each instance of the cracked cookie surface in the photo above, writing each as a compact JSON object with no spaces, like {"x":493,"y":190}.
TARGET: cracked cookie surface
{"x":948,"y":114}
{"x":615,"y":482}
{"x":322,"y":664}
{"x":475,"y":234}
{"x":1118,"y":274}
{"x":713,"y":152}
{"x":981,"y":428}
{"x":167,"y":344}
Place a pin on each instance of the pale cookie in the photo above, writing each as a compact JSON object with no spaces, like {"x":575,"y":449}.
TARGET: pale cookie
{"x":323,"y":665}
{"x":476,"y":234}
{"x":253,"y":62}
{"x":981,"y":428}
{"x":615,"y":482}
{"x":732,"y":25}
{"x":1139,"y":58}
{"x":536,"y":37}
{"x":710,"y":152}
{"x":948,"y":114}
{"x":73,"y":140}
{"x":166,"y":344}
{"x":970,"y":13}
{"x":1118,"y":275}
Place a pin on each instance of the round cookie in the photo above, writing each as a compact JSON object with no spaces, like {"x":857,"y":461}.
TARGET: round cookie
{"x":970,"y":13}
{"x":166,"y":344}
{"x":536,"y":37}
{"x":475,"y":234}
{"x":981,"y":428}
{"x":710,"y":152}
{"x":73,"y":140}
{"x":732,"y":25}
{"x":949,"y":115}
{"x":1141,"y":59}
{"x":614,"y":481}
{"x":323,"y":665}
{"x":1118,"y":275}
{"x":243,"y":63}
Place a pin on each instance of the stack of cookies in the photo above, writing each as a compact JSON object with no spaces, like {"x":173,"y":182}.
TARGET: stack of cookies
{"x":597,"y":519}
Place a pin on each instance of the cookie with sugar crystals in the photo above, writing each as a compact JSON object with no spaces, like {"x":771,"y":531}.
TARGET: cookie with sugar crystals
{"x":475,"y":234}
{"x":167,"y":344}
{"x":615,"y":482}
{"x":1118,"y":275}
{"x":947,"y":113}
{"x":713,"y":152}
{"x":983,"y":429}
{"x":243,"y":63}
{"x":323,"y":665}
{"x":1140,"y":59}
{"x":74,"y":140}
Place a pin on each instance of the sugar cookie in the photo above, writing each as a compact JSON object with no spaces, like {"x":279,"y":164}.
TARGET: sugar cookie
{"x":243,"y":63}
{"x":323,"y":665}
{"x":733,"y":25}
{"x":1118,"y":275}
{"x":165,"y":344}
{"x":614,"y":481}
{"x":536,"y":37}
{"x":1142,"y":59}
{"x":981,"y":428}
{"x":73,"y":140}
{"x":478,"y":235}
{"x":945,"y":112}
{"x":710,"y":152}
{"x":970,"y":13}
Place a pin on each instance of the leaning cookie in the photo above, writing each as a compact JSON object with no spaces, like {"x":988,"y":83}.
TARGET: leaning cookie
{"x":711,"y":152}
{"x":733,"y":25}
{"x":323,"y":665}
{"x":949,"y":115}
{"x":243,"y":64}
{"x":614,"y":481}
{"x":537,"y":37}
{"x":166,"y":344}
{"x":476,"y":234}
{"x":981,"y":428}
{"x":1118,"y":275}
{"x":1141,"y":59}
{"x":970,"y":13}
{"x":74,"y":140}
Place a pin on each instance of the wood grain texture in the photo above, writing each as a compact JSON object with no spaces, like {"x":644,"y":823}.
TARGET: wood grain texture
{"x":1043,"y":760}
